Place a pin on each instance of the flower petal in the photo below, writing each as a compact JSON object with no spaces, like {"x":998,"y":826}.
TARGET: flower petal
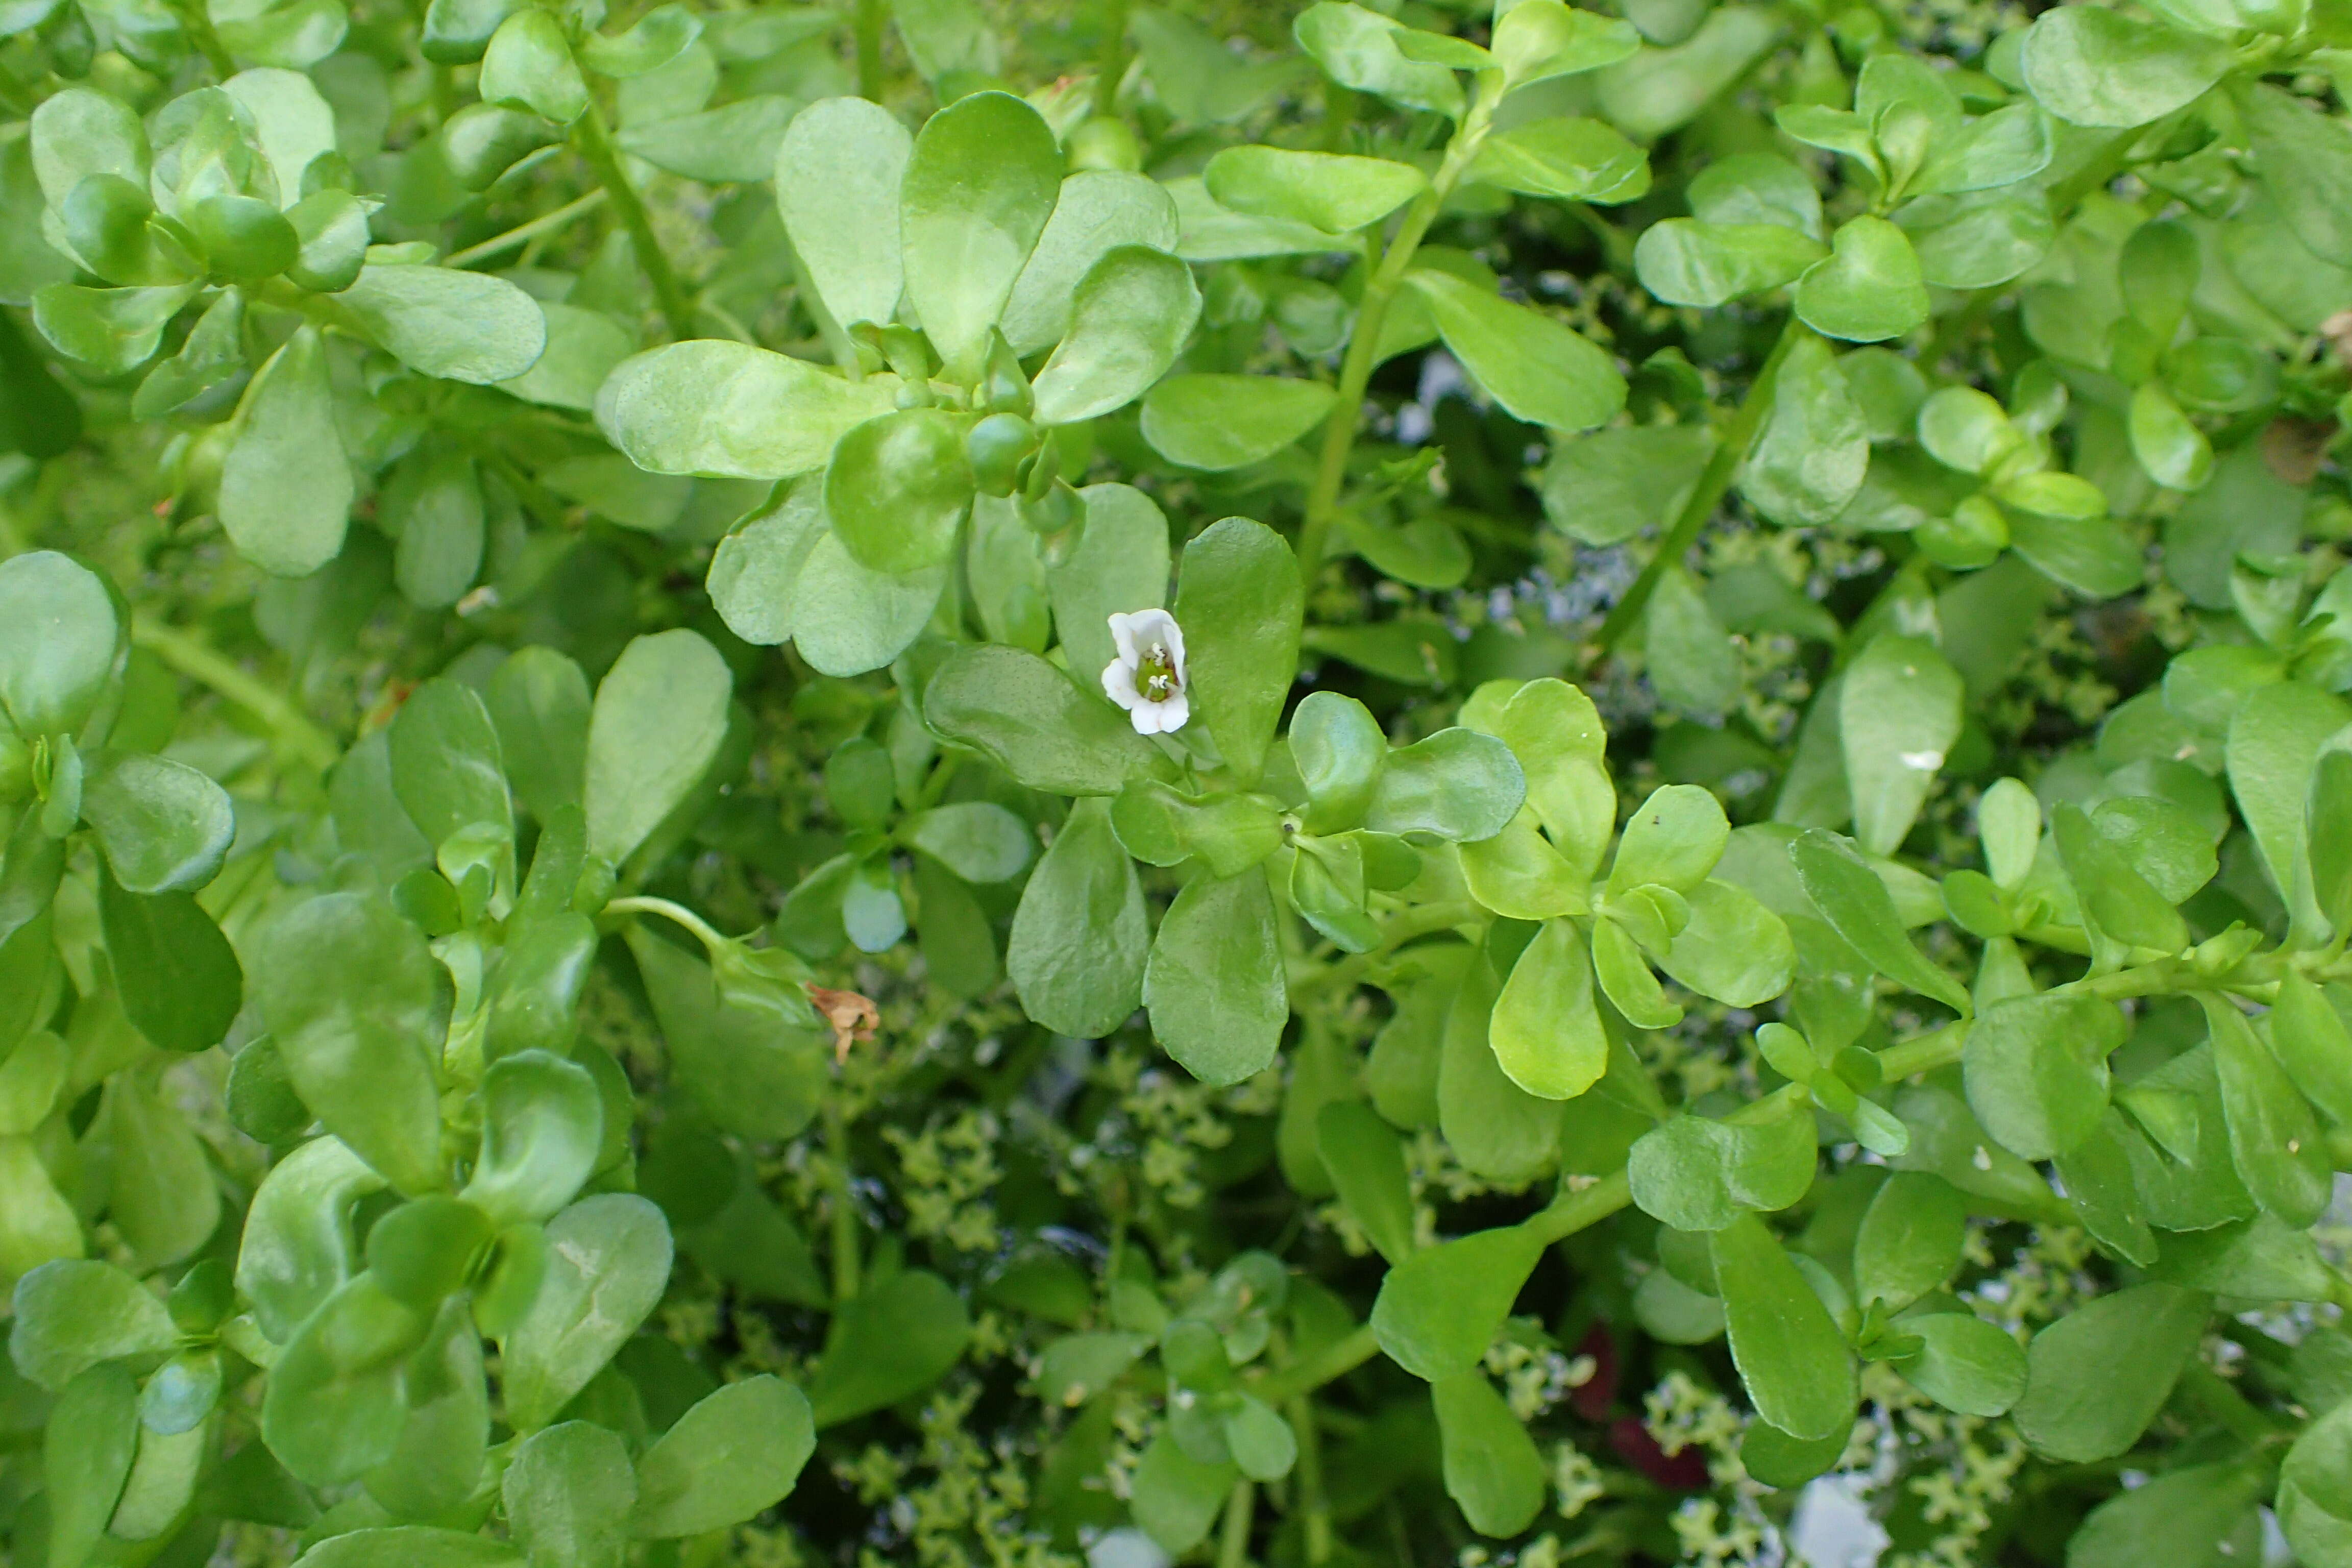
{"x":1118,"y":683}
{"x":1122,"y":633}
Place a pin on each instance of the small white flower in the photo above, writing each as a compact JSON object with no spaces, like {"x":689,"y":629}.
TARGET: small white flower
{"x":1146,"y":678}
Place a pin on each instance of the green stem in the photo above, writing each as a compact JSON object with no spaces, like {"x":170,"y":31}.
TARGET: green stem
{"x":2100,"y":171}
{"x":188,"y":653}
{"x":1314,"y":1505}
{"x":2141,"y":980}
{"x":522,"y":233}
{"x":1738,"y":436}
{"x":594,"y":143}
{"x":1114,"y":56}
{"x":870,"y":49}
{"x":1232,"y":1549}
{"x":1364,"y":337}
{"x":1338,"y":116}
{"x":704,"y":932}
{"x":1333,"y":1361}
{"x":1581,"y":1210}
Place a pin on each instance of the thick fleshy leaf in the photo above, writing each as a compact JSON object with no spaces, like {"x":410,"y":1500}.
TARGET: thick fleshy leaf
{"x":2275,"y":734}
{"x":1334,"y":191}
{"x":109,"y":331}
{"x":73,"y":1314}
{"x":976,"y":194}
{"x":540,"y":704}
{"x":848,"y":619}
{"x":1536,"y":40}
{"x":1697,"y":1174}
{"x":1097,"y":211}
{"x":2274,"y":1138}
{"x":1869,"y":288}
{"x":286,"y":488}
{"x":651,"y":42}
{"x":2094,"y":66}
{"x":461,"y":326}
{"x":1080,"y":938}
{"x":1789,"y":1351}
{"x":446,"y":765}
{"x":1980,"y":238}
{"x":81,"y":131}
{"x":332,"y":1410}
{"x":59,"y":638}
{"x":346,"y":987}
{"x":1440,"y":1310}
{"x":85,"y":1457}
{"x":1734,"y":949}
{"x":659,"y":717}
{"x":1497,"y":1129}
{"x":1239,"y":599}
{"x":410,"y":1546}
{"x":569,"y":1491}
{"x":1963,"y":1363}
{"x":1898,"y":715}
{"x":1120,"y":565}
{"x":298,"y":1245}
{"x":1365,"y":1158}
{"x":2036,"y":1070}
{"x":735,"y":1453}
{"x":1684,"y":261}
{"x":1910,"y":1239}
{"x":727,"y":408}
{"x":1547,"y":1030}
{"x":163,"y":1203}
{"x":1457,"y":784}
{"x":838,"y":172}
{"x":608,"y":1259}
{"x":755,"y":572}
{"x":2010,"y":145}
{"x":1567,"y":158}
{"x":1214,"y":984}
{"x":898,"y":489}
{"x":1852,"y":899}
{"x":887,"y":1344}
{"x":1356,"y":49}
{"x":1031,"y":719}
{"x":1489,"y":1462}
{"x":1811,"y":458}
{"x":2313,"y":1044}
{"x":1130,"y":319}
{"x":2097,"y":1377}
{"x":1218,"y":422}
{"x":2304,"y":159}
{"x":1537,"y":368}
{"x":528,"y":64}
{"x":542,"y":1129}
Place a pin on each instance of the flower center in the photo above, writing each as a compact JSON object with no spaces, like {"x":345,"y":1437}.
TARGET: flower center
{"x":1155,"y":674}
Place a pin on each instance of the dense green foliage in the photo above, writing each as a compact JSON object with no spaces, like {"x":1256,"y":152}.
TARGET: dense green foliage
{"x":1506,"y":783}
